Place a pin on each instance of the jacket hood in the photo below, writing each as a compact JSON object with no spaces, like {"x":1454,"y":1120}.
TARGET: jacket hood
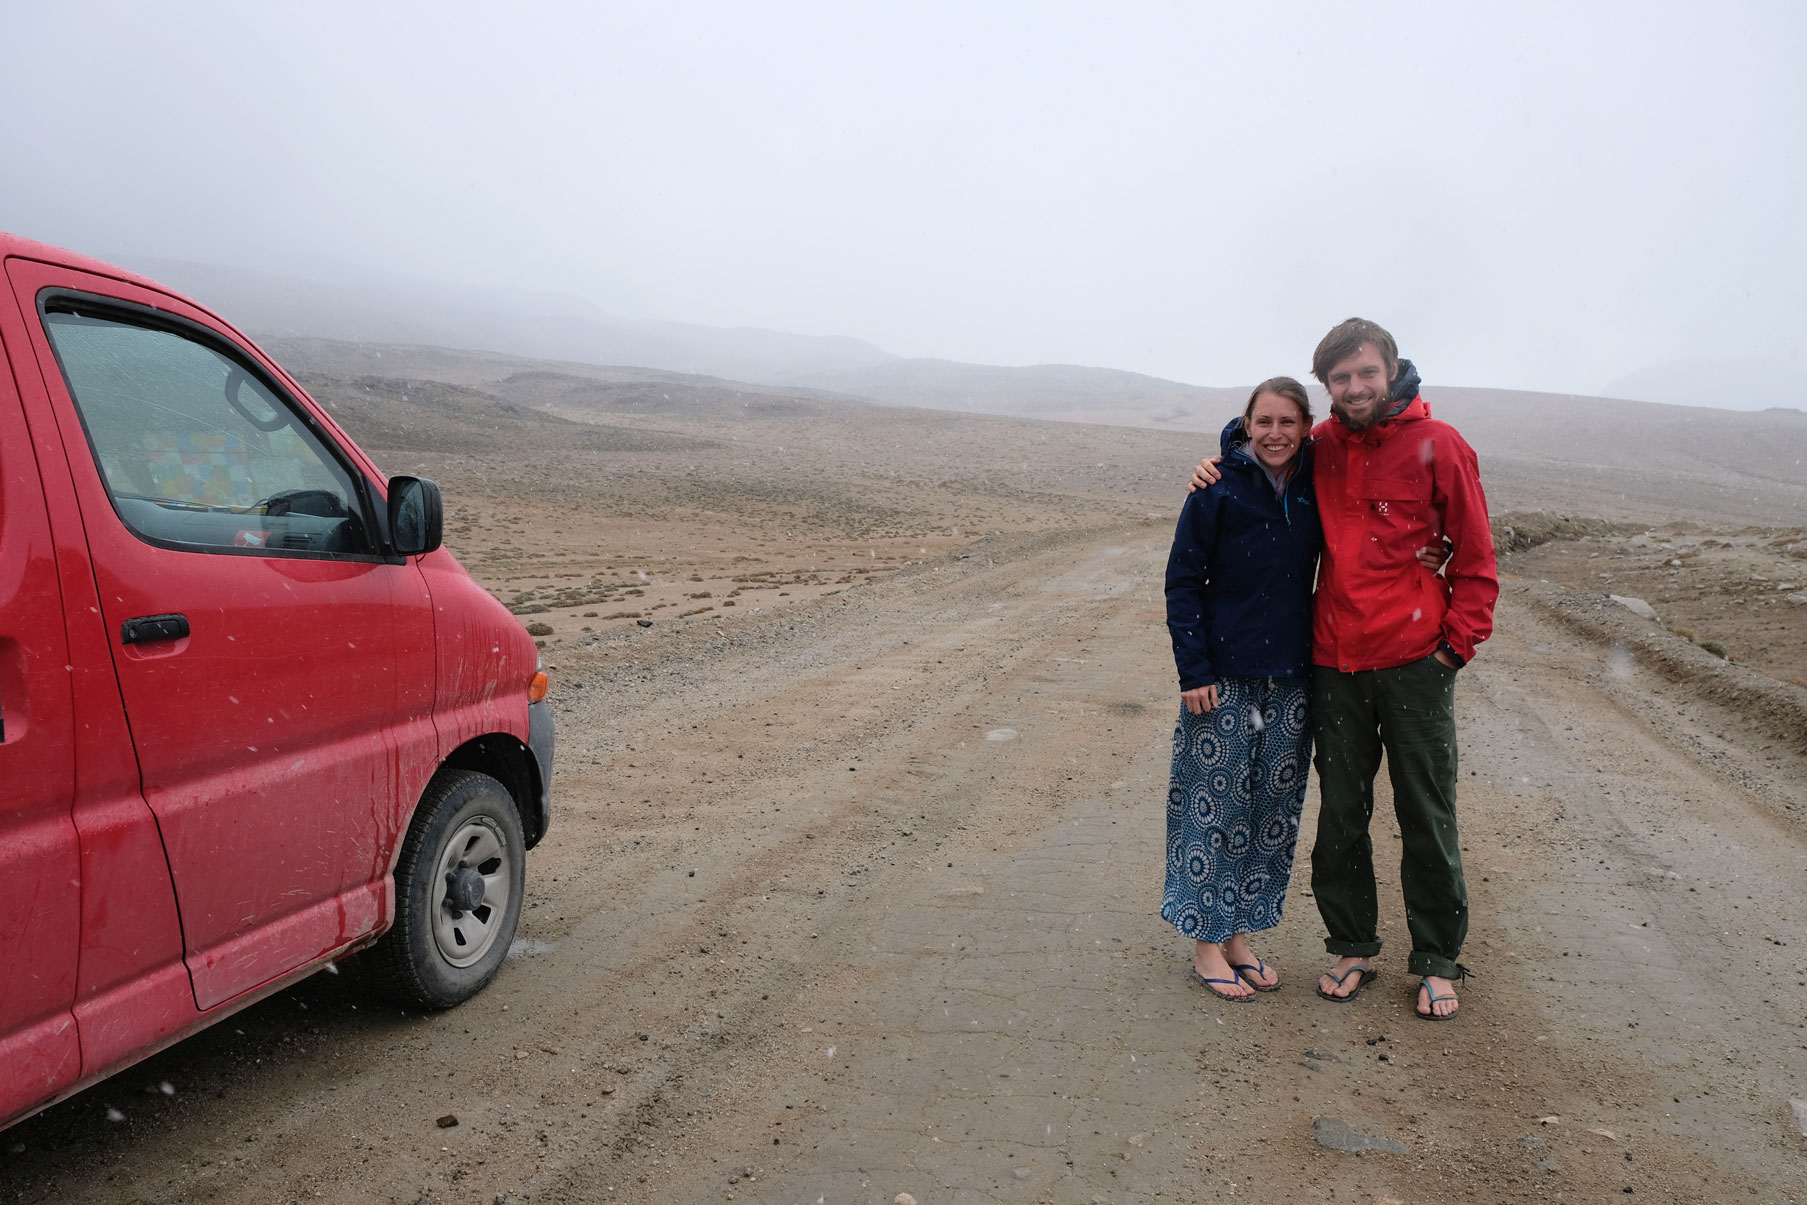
{"x":1233,"y":437}
{"x":1405,"y":388}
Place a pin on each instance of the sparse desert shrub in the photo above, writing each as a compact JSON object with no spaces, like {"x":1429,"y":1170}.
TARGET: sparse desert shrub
{"x":539,"y":629}
{"x":1685,"y":633}
{"x":1715,"y":648}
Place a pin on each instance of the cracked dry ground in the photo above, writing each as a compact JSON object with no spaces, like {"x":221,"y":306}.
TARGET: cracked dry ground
{"x":859,"y":946}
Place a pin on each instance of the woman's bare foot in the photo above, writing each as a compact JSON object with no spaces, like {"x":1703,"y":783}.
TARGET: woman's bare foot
{"x":1437,"y":998}
{"x":1209,"y":961}
{"x":1347,"y":977}
{"x":1246,"y":963}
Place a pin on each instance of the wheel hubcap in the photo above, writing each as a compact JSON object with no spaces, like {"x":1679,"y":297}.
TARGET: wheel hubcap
{"x":464,"y":889}
{"x":471,"y":891}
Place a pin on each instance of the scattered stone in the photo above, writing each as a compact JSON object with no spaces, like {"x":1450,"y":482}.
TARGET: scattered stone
{"x":1797,"y":598}
{"x":903,"y":1198}
{"x":1799,"y":1109}
{"x":1021,"y":1173}
{"x":446,"y":1122}
{"x":1001,"y":734}
{"x":1607,"y":1134}
{"x":1138,"y":1139}
{"x":1636,"y":606}
{"x":1337,"y":1135}
{"x":1549,"y":1121}
{"x":1322,"y":1057}
{"x":1532,"y":1143}
{"x":645,"y":623}
{"x":1544,"y":1165}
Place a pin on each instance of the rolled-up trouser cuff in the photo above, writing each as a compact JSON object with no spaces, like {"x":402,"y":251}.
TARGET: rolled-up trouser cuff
{"x":1422,"y":963}
{"x":1352,"y":949}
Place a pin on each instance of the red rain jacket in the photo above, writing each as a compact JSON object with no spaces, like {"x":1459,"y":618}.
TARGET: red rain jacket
{"x":1383,"y":493}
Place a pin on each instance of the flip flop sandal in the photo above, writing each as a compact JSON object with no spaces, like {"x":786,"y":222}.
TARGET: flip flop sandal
{"x":1368,"y":975}
{"x":1252,"y":975}
{"x":1218,"y":994}
{"x":1434,"y":998}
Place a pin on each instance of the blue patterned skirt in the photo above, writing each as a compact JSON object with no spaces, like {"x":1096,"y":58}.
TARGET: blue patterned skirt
{"x":1233,"y":807}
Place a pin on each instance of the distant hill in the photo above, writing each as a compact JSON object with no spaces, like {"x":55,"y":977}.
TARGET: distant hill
{"x":535,"y":325}
{"x":1068,"y":392}
{"x":1598,"y":456}
{"x":1607,"y":458}
{"x":1749,"y":384}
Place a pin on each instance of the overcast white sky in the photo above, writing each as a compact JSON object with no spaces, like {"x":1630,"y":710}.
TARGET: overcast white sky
{"x":1542,"y":196}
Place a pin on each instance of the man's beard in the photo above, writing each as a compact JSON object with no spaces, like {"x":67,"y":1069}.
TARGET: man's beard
{"x":1364,"y":424}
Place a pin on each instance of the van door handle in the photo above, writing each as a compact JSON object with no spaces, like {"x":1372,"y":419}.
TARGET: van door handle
{"x":147,"y":628}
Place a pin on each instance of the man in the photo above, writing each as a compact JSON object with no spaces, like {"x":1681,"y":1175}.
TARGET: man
{"x":1388,"y":637}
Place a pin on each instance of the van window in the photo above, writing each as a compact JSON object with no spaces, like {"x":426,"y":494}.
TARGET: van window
{"x":198,"y":453}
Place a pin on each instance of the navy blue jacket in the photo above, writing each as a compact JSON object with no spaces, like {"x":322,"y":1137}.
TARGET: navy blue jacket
{"x":1240,"y":576}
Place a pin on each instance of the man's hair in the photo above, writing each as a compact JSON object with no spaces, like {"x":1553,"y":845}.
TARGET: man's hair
{"x":1287,"y":388}
{"x":1345,"y":339}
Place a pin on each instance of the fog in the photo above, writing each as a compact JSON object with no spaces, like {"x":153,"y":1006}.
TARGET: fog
{"x":1548,"y":196}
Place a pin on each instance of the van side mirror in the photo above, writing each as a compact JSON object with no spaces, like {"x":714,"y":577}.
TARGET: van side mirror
{"x":416,"y":516}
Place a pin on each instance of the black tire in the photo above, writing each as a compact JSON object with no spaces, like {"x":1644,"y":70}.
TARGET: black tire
{"x":437,"y":954}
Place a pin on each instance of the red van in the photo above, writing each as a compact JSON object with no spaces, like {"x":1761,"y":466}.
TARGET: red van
{"x":252,"y":716}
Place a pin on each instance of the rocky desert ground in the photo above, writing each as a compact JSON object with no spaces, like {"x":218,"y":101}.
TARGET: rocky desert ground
{"x":864,"y":717}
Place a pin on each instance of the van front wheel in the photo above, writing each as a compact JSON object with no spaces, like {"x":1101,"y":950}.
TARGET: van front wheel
{"x":458,"y":889}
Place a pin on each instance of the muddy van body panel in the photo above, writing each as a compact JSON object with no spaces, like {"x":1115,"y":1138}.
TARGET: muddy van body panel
{"x":485,"y":657}
{"x":40,"y":860}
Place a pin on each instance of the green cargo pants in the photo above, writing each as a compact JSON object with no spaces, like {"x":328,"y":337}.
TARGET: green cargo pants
{"x":1409,"y":711}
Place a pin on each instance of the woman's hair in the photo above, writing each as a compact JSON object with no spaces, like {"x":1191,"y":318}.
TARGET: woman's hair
{"x":1287,"y":388}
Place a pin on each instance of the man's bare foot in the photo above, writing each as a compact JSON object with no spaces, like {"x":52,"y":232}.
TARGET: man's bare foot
{"x":1349,"y":976}
{"x":1246,"y":963}
{"x":1209,"y":962}
{"x":1437,"y":999}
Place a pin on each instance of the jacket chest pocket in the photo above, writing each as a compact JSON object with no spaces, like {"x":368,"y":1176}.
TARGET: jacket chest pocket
{"x":1398,"y":520}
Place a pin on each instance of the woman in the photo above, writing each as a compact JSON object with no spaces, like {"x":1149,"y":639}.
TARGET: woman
{"x":1239,"y":611}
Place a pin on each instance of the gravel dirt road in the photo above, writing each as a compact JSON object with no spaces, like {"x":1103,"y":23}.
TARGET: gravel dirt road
{"x":888,"y":925}
{"x":856,"y":896}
